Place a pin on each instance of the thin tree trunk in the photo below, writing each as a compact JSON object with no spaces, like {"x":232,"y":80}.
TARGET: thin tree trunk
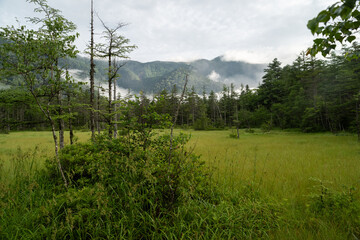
{"x":357,"y":116}
{"x":237,"y":121}
{"x":115,"y":115}
{"x":92,"y":72}
{"x":110,"y":100}
{"x":8,"y":121}
{"x":175,"y":119}
{"x":70,"y":122}
{"x":57,"y":152}
{"x":61,"y":122}
{"x":48,"y":116}
{"x":98,"y":111}
{"x":60,"y":110}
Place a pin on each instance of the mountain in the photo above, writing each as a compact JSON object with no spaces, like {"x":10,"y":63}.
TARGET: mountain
{"x":153,"y":77}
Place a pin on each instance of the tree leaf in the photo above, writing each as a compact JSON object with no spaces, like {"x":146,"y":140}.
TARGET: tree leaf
{"x":323,"y":16}
{"x":313,"y":25}
{"x":345,"y":12}
{"x":319,"y":41}
{"x":350,"y":38}
{"x":339,"y":37}
{"x":350,"y":3}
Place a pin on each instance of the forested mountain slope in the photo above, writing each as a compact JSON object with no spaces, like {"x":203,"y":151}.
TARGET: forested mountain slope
{"x":153,"y":77}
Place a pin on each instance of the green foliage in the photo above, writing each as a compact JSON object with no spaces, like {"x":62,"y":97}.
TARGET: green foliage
{"x":266,"y":126}
{"x":339,"y":207}
{"x":339,"y":23}
{"x":239,"y":202}
{"x":200,"y":124}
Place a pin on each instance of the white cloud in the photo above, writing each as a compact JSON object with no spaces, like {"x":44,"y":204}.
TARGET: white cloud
{"x":265,"y":55}
{"x":185,"y":29}
{"x":214,"y":76}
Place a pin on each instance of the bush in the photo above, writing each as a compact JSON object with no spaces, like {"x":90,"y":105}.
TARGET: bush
{"x":266,"y":126}
{"x":136,"y":181}
{"x":339,"y":208}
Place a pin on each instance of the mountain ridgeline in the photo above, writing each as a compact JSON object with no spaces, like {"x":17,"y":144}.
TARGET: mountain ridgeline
{"x":153,"y":77}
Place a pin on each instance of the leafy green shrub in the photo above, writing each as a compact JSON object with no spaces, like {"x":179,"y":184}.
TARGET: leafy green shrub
{"x":266,"y":126}
{"x":340,"y":208}
{"x":139,"y":179}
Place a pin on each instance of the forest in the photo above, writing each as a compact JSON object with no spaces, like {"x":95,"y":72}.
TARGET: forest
{"x":81,"y":161}
{"x":311,"y":95}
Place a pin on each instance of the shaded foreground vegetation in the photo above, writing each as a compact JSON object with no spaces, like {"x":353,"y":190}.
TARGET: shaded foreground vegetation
{"x":281,"y":185}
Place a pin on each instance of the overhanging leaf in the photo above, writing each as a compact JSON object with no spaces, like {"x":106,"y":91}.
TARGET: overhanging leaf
{"x":350,"y":3}
{"x":313,"y":25}
{"x":351,"y":38}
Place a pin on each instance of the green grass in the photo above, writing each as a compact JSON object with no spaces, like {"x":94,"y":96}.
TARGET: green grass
{"x":290,"y":184}
{"x":282,"y":164}
{"x":39,"y":145}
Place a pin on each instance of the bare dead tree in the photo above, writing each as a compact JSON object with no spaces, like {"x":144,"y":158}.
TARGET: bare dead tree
{"x":116,"y":46}
{"x":175,"y":119}
{"x":92,"y":73}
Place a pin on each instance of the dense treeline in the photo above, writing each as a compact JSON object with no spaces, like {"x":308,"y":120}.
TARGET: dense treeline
{"x":310,"y":94}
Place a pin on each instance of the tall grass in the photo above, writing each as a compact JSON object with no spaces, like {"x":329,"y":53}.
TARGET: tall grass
{"x":280,"y":163}
{"x":278,"y":185}
{"x":38,"y":144}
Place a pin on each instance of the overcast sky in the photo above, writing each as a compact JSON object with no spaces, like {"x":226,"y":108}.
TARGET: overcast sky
{"x":255,"y":31}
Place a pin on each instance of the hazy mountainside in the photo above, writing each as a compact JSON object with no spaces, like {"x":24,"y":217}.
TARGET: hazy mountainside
{"x":230,"y":71}
{"x":153,"y":77}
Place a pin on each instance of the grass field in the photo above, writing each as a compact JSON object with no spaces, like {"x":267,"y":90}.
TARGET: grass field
{"x":313,"y":179}
{"x":283,"y":164}
{"x":39,"y":145}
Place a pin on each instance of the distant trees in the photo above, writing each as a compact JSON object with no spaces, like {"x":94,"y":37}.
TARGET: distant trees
{"x":339,"y":23}
{"x":309,"y":94}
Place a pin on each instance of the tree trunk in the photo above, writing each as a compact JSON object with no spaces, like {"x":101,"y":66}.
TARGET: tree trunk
{"x":357,"y":116}
{"x":98,"y":111}
{"x":48,"y":116}
{"x":115,"y":115}
{"x":57,"y":152}
{"x":110,"y":101}
{"x":237,"y":121}
{"x":8,"y":121}
{"x":61,"y":122}
{"x":92,"y":71}
{"x":70,"y":123}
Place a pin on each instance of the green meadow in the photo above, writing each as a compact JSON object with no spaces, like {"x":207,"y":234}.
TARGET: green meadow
{"x":282,"y":164}
{"x":308,"y":177}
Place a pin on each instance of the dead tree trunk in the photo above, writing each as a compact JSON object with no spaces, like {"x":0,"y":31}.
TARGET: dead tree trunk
{"x":92,"y":72}
{"x":98,"y":111}
{"x":115,"y":115}
{"x":110,"y":99}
